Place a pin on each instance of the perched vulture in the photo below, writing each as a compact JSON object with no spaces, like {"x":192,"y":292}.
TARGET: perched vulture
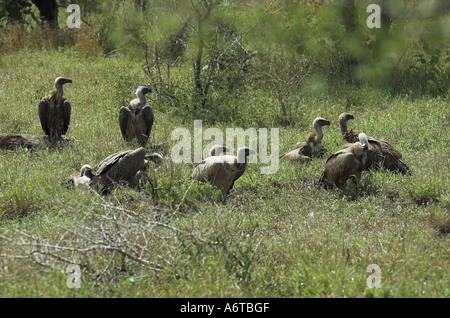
{"x":345,"y":163}
{"x":136,"y":120}
{"x":311,"y":146}
{"x":54,"y":111}
{"x":380,"y":151}
{"x":223,"y":171}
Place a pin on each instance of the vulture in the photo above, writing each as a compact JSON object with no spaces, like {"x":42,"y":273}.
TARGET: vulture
{"x":345,"y":163}
{"x":123,"y":167}
{"x":54,"y":111}
{"x":223,"y":171}
{"x":311,"y":146}
{"x":343,"y":118}
{"x":120,"y":167}
{"x":380,"y":152}
{"x":136,"y":120}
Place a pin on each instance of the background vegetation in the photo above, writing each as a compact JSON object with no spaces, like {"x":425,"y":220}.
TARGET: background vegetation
{"x":231,"y":64}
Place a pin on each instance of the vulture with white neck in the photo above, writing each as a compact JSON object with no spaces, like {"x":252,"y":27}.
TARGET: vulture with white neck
{"x":136,"y":120}
{"x":345,"y":163}
{"x":380,"y":152}
{"x":311,"y":146}
{"x":54,"y":111}
{"x":223,"y":171}
{"x":124,"y":167}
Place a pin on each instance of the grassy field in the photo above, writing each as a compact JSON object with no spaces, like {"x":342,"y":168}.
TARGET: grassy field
{"x":277,"y":235}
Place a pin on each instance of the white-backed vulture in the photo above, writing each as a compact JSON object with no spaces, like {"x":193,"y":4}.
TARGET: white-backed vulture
{"x":311,"y":146}
{"x":343,"y":119}
{"x":223,"y":171}
{"x":345,"y":163}
{"x":136,"y":120}
{"x":380,"y":151}
{"x":120,"y":167}
{"x":54,"y":111}
{"x":124,"y":167}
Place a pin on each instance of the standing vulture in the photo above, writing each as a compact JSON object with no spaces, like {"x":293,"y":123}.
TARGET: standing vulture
{"x":54,"y":111}
{"x":380,"y":151}
{"x":345,"y":163}
{"x":223,"y":171}
{"x":311,"y":146}
{"x":136,"y":120}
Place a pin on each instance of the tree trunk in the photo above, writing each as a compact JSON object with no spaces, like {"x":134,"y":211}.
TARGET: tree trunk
{"x":48,"y":11}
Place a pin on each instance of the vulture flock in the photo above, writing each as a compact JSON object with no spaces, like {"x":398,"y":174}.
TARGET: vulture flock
{"x":219,"y":169}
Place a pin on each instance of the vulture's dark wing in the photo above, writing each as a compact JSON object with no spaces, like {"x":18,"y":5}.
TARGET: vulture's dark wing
{"x":43,"y":115}
{"x":302,"y":148}
{"x":67,"y":109}
{"x":147,"y":112}
{"x":124,"y":118}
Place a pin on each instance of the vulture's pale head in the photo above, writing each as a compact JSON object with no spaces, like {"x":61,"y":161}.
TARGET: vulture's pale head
{"x":61,"y":81}
{"x":154,"y":157}
{"x":86,"y":171}
{"x":358,"y":148}
{"x":320,"y":122}
{"x":243,"y":153}
{"x":142,"y":90}
{"x":364,"y":141}
{"x":344,"y":117}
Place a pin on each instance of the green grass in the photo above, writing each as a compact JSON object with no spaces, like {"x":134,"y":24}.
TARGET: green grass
{"x":276,"y":235}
